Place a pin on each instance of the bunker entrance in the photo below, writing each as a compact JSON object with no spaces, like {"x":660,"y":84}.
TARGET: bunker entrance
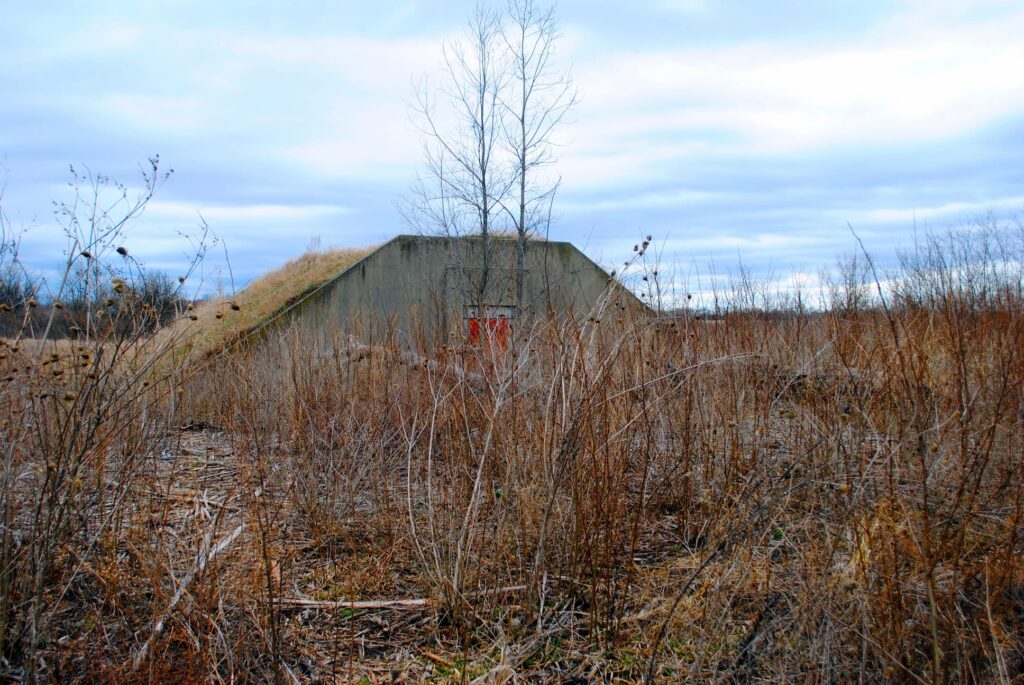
{"x":490,"y":325}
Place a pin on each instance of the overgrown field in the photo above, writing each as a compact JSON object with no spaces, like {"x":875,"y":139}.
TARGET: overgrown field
{"x":760,"y":493}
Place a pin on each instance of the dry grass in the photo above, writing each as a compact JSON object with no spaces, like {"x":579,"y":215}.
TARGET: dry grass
{"x":782,"y":496}
{"x":221,"y":321}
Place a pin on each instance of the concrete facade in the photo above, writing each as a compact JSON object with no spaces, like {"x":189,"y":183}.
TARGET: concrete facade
{"x":426,"y":289}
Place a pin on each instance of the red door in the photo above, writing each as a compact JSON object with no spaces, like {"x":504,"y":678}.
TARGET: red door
{"x":493,"y":332}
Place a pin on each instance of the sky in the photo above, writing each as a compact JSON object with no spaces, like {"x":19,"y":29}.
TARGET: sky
{"x":733,"y":132}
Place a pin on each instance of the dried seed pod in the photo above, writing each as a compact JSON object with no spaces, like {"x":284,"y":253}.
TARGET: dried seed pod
{"x":123,"y":251}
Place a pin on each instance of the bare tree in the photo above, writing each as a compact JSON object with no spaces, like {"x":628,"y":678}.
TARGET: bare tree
{"x":464,"y":183}
{"x":539,"y":96}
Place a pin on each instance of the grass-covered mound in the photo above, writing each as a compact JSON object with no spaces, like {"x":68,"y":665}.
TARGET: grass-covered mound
{"x":219,"y":322}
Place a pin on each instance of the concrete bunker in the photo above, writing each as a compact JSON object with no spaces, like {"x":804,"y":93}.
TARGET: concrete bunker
{"x":435,"y":289}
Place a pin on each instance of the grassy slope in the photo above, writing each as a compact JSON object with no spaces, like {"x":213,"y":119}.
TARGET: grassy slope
{"x":261,"y":301}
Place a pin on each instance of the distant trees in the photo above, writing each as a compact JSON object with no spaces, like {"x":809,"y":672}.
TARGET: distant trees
{"x":17,"y":295}
{"x":99,"y":288}
{"x":489,"y":132}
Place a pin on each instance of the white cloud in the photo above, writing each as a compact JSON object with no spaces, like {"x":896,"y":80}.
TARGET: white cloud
{"x":671,"y":198}
{"x":909,"y":215}
{"x":684,"y":6}
{"x":259,"y":212}
{"x":156,"y":113}
{"x":920,"y":76}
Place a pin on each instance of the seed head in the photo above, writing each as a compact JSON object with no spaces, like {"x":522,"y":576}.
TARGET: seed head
{"x":122,"y":251}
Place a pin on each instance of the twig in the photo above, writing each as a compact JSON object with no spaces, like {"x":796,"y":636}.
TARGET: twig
{"x":202,"y":561}
{"x":299,"y":603}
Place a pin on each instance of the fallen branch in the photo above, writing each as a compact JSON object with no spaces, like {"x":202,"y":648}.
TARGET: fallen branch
{"x":202,"y":560}
{"x":299,"y":603}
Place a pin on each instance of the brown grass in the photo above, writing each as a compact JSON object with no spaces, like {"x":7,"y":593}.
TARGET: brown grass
{"x":262,"y":300}
{"x":783,"y":496}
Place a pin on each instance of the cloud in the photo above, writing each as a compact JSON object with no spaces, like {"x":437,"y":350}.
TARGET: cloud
{"x":647,"y":200}
{"x":258,"y":213}
{"x":740,"y":127}
{"x":915,"y":77}
{"x":684,"y":6}
{"x":947,"y":211}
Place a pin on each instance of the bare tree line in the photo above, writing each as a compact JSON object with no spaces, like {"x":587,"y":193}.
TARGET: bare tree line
{"x":96,"y":271}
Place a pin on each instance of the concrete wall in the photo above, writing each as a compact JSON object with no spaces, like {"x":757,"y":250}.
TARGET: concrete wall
{"x":421,"y":287}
